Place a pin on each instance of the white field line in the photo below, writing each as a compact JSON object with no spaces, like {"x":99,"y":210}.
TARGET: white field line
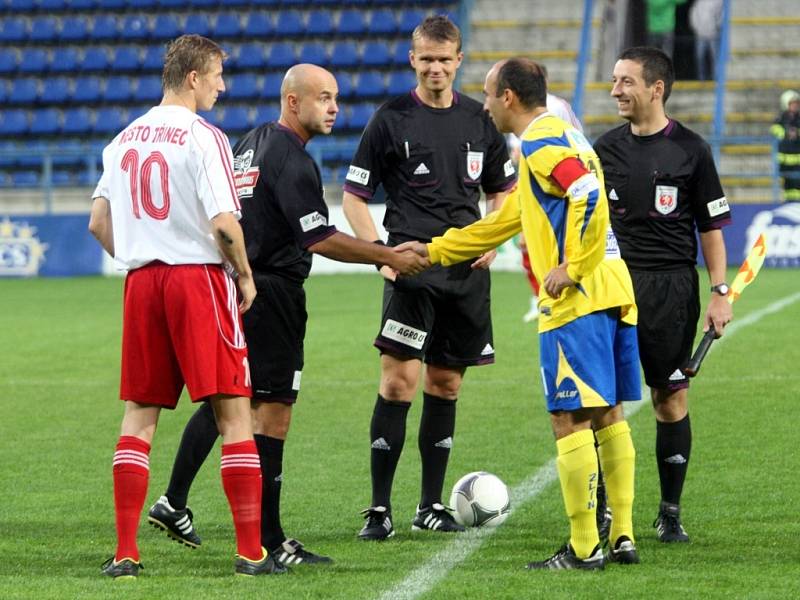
{"x":425,"y":577}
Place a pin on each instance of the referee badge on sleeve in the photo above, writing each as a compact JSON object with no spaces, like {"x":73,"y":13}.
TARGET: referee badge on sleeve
{"x":474,"y":164}
{"x":666,"y":199}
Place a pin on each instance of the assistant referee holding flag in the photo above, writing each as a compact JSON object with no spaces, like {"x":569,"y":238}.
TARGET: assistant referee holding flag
{"x":662,"y":185}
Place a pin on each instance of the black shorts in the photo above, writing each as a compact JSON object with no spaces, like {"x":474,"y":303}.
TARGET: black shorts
{"x":669,"y":309}
{"x":274,"y":328}
{"x":442,"y":316}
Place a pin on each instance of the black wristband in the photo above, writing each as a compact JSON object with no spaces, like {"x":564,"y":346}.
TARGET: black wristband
{"x":380,"y":243}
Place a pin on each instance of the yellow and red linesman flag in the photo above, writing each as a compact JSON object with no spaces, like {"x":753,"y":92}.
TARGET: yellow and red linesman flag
{"x":749,"y":269}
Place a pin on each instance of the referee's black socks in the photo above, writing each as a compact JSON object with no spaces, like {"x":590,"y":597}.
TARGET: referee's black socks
{"x":673,"y":447}
{"x":270,"y":452}
{"x":198,"y":439}
{"x":436,"y":429}
{"x":387,"y":433}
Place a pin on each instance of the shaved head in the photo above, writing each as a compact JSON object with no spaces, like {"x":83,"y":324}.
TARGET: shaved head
{"x":306,"y":78}
{"x":309,"y":100}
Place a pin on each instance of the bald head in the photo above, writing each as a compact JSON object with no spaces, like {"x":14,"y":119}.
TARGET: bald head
{"x":306,"y":78}
{"x":309,"y":100}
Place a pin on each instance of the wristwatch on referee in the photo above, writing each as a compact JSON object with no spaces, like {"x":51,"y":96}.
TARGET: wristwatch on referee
{"x":721,"y":288}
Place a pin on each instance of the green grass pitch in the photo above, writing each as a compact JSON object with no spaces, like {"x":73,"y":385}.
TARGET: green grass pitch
{"x":59,"y":371}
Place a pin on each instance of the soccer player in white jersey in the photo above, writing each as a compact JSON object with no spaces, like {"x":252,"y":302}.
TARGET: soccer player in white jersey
{"x":166,"y":209}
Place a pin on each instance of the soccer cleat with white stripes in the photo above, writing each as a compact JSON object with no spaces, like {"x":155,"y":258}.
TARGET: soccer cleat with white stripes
{"x":379,"y":524}
{"x":293,"y":553}
{"x":566,"y":558}
{"x":266,"y":566}
{"x":176,"y":523}
{"x":624,"y":552}
{"x":436,"y":517}
{"x":668,"y":524}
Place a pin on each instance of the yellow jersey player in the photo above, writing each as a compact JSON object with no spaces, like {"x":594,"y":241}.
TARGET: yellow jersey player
{"x":588,"y":346}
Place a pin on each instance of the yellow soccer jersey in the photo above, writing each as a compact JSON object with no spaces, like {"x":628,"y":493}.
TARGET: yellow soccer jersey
{"x":559,"y":224}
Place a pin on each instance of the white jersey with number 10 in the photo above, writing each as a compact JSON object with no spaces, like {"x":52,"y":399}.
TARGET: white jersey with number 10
{"x":166,"y":175}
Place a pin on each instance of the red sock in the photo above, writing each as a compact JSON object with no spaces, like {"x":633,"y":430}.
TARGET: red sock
{"x":241,"y":479}
{"x":131,"y":472}
{"x":526,"y":264}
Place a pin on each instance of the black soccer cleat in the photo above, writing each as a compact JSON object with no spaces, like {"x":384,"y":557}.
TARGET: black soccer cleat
{"x":266,"y":566}
{"x":436,"y":517}
{"x":177,"y":523}
{"x":624,"y":552}
{"x":668,"y":524}
{"x":292,"y":553}
{"x":566,"y":558}
{"x":127,"y":568}
{"x":379,"y":524}
{"x":604,"y":525}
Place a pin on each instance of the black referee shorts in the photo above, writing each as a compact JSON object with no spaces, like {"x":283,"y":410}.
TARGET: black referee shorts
{"x":274,"y":328}
{"x":669,"y":309}
{"x":441,"y":316}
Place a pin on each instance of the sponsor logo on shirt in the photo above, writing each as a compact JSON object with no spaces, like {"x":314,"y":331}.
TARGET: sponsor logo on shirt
{"x":422,"y":169}
{"x":357,"y":175}
{"x":612,"y":246}
{"x":312,"y":221}
{"x":666,"y":200}
{"x":718,"y":207}
{"x":613,"y":195}
{"x":578,"y":140}
{"x":584,"y":185}
{"x":242,"y":162}
{"x":245,"y":181}
{"x":474,"y":164}
{"x":508,"y":168}
{"x":400,"y":332}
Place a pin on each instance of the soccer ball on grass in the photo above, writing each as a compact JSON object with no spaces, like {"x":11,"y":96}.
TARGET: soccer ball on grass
{"x":480,"y":499}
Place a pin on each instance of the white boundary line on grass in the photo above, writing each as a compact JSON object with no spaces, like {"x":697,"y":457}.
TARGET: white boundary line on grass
{"x":424,"y":578}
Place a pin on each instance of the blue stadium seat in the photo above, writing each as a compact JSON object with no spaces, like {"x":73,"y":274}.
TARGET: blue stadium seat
{"x":258,"y":25}
{"x":370,"y":84}
{"x":9,"y":59}
{"x":81,"y":4}
{"x":351,"y":22}
{"x":62,"y":178}
{"x":359,"y":116}
{"x":266,"y":2}
{"x":109,"y":120}
{"x":251,"y":56}
{"x":55,"y":90}
{"x":242,"y":86}
{"x":344,"y":54}
{"x":345,"y":81}
{"x":30,"y":155}
{"x":4,"y":86}
{"x":111,"y":4}
{"x":281,"y":55}
{"x":134,"y":27}
{"x":400,"y":53}
{"x":43,"y":29}
{"x":73,"y":29}
{"x":174,"y":3}
{"x":13,"y":29}
{"x":289,"y":23}
{"x":76,"y":120}
{"x":319,"y":23}
{"x":13,"y":122}
{"x":235,"y":118}
{"x":197,"y":23}
{"x":125,"y":58}
{"x":46,"y":121}
{"x":24,"y":91}
{"x":383,"y":22}
{"x":376,"y":54}
{"x":228,"y":25}
{"x":104,"y":28}
{"x":118,"y":89}
{"x":165,"y":26}
{"x":52,"y":5}
{"x":25,"y":179}
{"x":401,"y":82}
{"x":271,"y":87}
{"x":266,"y":113}
{"x":66,"y":61}
{"x":33,"y":60}
{"x":95,"y":58}
{"x":153,"y":58}
{"x":148,"y":90}
{"x":409,"y":19}
{"x":314,"y":53}
{"x":140,"y":4}
{"x":87,"y":89}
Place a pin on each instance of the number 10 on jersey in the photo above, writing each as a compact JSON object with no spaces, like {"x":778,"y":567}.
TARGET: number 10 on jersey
{"x":140,"y":183}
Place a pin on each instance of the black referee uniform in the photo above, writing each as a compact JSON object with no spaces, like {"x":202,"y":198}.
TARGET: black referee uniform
{"x":662,"y":188}
{"x":432,"y":163}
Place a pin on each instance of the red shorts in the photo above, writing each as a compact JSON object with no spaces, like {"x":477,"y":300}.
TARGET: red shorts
{"x":181,"y":325}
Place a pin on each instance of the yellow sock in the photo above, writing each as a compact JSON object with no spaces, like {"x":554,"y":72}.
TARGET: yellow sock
{"x":618,"y":460}
{"x":577,"y":470}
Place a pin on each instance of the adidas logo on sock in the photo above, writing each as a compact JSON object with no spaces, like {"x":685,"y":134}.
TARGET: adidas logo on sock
{"x":380,"y":444}
{"x":487,"y":349}
{"x":675,"y":459}
{"x":445,"y":443}
{"x":613,"y":195}
{"x":421,"y":169}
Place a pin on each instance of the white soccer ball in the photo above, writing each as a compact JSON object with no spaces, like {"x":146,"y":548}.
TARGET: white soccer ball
{"x":480,"y":499}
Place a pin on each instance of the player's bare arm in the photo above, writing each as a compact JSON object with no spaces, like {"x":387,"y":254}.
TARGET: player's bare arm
{"x":357,"y":214}
{"x":229,"y":238}
{"x":493,"y":203}
{"x":100,"y":224}
{"x":719,"y":312}
{"x":345,"y":248}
